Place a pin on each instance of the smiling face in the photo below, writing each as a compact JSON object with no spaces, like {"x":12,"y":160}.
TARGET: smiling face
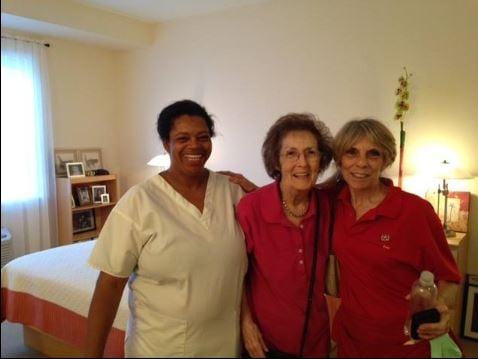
{"x":362,"y":164}
{"x":299,"y":160}
{"x":189,"y":145}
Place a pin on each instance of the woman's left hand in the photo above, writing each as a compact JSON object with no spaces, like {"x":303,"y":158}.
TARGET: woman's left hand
{"x":432,"y":330}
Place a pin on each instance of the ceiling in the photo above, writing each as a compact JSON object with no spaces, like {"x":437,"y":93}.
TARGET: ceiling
{"x":70,"y":19}
{"x":163,"y":10}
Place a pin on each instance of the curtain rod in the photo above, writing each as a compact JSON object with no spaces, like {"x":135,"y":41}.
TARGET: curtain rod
{"x":46,"y":44}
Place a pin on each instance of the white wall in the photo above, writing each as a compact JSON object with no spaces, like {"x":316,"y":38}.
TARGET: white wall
{"x":339,"y":59}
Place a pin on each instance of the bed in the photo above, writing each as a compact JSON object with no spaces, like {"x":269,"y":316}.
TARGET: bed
{"x":49,"y":292}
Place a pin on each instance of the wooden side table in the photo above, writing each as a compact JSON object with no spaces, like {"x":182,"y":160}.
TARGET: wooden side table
{"x":459,"y":248}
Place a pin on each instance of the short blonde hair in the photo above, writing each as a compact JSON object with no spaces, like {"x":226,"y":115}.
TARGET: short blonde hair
{"x":353,"y":131}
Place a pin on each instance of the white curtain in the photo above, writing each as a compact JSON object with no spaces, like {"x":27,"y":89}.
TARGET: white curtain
{"x":28,"y":175}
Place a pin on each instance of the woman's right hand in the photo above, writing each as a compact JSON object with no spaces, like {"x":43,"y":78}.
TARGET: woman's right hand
{"x":252,"y":337}
{"x":237,"y":178}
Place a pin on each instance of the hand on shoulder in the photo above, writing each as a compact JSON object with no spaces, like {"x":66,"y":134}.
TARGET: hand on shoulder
{"x":240,"y":180}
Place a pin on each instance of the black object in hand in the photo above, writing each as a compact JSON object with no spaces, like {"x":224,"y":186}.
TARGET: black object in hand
{"x":425,"y":316}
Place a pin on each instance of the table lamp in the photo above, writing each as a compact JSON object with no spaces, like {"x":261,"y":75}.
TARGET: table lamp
{"x":447,"y":172}
{"x":163,"y":161}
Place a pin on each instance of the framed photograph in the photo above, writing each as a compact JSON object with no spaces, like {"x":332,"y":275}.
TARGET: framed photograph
{"x":105,"y":198}
{"x":83,"y":196}
{"x":62,"y":157}
{"x":458,"y":208}
{"x":75,"y":169}
{"x":84,"y":221}
{"x":97,"y":191}
{"x":91,"y":157}
{"x":458,"y":211}
{"x":470,"y":324}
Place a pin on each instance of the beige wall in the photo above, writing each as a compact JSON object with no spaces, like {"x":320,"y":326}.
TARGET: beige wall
{"x":338,"y":59}
{"x":85,"y":104}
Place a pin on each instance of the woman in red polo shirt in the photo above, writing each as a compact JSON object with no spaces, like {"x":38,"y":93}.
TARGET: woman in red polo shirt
{"x":383,"y":239}
{"x":279,"y":223}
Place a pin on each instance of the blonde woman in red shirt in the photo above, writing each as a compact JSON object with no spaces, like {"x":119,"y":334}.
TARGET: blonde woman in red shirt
{"x":383,"y":238}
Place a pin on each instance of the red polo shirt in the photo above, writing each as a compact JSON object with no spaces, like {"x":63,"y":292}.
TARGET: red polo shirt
{"x":381,"y":254}
{"x":280,"y":256}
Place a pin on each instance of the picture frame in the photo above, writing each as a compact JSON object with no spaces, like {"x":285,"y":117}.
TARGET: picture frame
{"x":97,"y":191}
{"x":75,"y":169}
{"x":470,"y":322}
{"x":105,"y":198}
{"x":83,"y":194}
{"x":91,"y":158}
{"x":84,"y":221}
{"x":459,"y":211}
{"x":458,"y":208}
{"x":62,"y":157}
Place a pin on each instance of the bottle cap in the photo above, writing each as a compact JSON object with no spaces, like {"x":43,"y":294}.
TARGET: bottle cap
{"x":427,"y":278}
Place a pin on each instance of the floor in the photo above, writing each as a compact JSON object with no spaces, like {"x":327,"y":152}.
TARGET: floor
{"x":13,"y":347}
{"x":12,"y":343}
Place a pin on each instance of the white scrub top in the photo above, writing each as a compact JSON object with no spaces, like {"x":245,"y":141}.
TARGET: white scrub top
{"x":186,"y":268}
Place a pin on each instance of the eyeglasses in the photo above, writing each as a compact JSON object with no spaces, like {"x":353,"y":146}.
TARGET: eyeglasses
{"x":310,"y":155}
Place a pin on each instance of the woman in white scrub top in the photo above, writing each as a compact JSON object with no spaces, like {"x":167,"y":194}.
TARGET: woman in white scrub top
{"x":175,"y":241}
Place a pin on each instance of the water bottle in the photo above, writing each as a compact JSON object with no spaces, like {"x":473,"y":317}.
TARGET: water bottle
{"x":423,"y":299}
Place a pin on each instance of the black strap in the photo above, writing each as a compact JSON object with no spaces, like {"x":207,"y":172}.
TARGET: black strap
{"x":332,"y":201}
{"x":310,"y":295}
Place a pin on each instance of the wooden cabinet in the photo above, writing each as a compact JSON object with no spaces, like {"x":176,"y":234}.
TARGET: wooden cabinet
{"x":459,"y":248}
{"x":83,"y":222}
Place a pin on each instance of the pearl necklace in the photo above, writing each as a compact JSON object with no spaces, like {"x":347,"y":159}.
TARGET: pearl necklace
{"x":291,"y":213}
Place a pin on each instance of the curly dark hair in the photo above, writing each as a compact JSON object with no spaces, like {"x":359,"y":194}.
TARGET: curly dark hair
{"x":295,"y":122}
{"x":177,"y":109}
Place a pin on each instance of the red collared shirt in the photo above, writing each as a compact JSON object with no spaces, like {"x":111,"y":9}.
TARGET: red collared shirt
{"x":280,"y":256}
{"x":381,"y":254}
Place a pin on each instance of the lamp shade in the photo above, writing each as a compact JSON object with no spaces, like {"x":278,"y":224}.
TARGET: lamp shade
{"x":161,"y":160}
{"x":447,"y":170}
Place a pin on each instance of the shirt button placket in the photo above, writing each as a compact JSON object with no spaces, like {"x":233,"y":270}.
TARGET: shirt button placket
{"x":301,"y":250}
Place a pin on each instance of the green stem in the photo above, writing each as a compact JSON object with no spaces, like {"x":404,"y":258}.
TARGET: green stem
{"x":402,"y":135}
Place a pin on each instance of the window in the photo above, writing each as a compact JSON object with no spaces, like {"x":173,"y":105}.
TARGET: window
{"x":28,"y":179}
{"x":22,"y":135}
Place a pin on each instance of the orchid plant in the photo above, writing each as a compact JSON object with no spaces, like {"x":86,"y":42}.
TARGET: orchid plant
{"x":402,"y":105}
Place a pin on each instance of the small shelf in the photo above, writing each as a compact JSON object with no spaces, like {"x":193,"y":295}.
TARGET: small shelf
{"x":85,"y":235}
{"x":92,"y":206}
{"x":92,"y":179}
{"x":70,"y":219}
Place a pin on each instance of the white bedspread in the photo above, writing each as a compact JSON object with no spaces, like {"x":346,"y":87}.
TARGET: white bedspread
{"x":62,"y":276}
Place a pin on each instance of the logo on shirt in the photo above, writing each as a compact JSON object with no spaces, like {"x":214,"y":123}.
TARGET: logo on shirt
{"x":385,"y":239}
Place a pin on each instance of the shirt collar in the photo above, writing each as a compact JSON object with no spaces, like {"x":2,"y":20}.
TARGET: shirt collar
{"x":389,"y":207}
{"x":271,"y":205}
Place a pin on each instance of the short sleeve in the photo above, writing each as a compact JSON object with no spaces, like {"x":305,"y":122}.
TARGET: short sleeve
{"x":243,"y":213}
{"x":436,"y":253}
{"x":118,"y":247}
{"x":237,"y":193}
